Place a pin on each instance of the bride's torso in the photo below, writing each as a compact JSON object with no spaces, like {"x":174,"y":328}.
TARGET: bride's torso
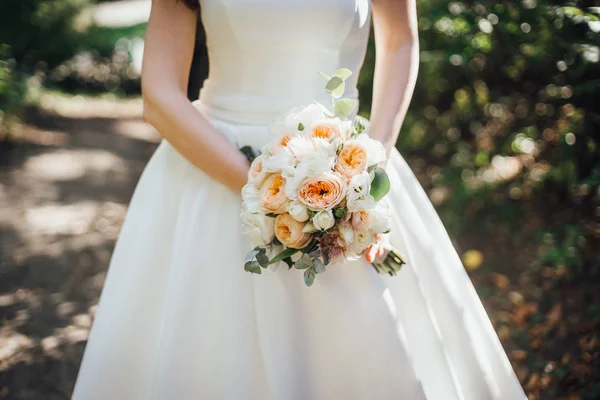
{"x":265,"y":55}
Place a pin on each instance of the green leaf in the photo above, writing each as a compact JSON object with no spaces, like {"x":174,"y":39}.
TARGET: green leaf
{"x":359,"y":126}
{"x":343,"y":73}
{"x":289,"y":262}
{"x":262,"y":259}
{"x":372,"y":168}
{"x":272,"y":215}
{"x":318,"y":265}
{"x":324,"y":75}
{"x":251,"y":254}
{"x":309,"y":277}
{"x":344,"y":107}
{"x":335,"y":87}
{"x":380,"y":186}
{"x":326,"y":259}
{"x":300,"y":126}
{"x":283,"y":255}
{"x":340,"y":212}
{"x":250,"y":153}
{"x":311,"y":213}
{"x":304,"y":262}
{"x":253,"y":266}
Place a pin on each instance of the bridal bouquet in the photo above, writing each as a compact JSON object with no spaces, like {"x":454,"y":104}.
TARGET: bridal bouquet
{"x":315,"y":193}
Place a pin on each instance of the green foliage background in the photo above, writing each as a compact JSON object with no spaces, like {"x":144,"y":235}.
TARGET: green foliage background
{"x":503,"y":132}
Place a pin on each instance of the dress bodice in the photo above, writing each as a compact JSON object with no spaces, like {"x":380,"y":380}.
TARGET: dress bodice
{"x":265,"y":55}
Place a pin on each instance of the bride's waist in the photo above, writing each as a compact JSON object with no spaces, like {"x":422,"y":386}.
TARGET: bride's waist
{"x":248,"y":108}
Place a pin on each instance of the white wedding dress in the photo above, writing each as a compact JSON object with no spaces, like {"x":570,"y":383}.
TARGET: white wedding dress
{"x":179,"y":318}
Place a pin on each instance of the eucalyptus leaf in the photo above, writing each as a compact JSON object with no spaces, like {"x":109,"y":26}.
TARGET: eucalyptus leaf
{"x":289,"y":262}
{"x":300,"y":126}
{"x":335,"y":87}
{"x":251,"y":254}
{"x":343,"y":73}
{"x":283,"y":255}
{"x":380,"y":186}
{"x":253,"y":266}
{"x":344,"y":107}
{"x":318,"y":266}
{"x":304,"y":262}
{"x":324,"y":75}
{"x":309,"y":277}
{"x":262,"y":259}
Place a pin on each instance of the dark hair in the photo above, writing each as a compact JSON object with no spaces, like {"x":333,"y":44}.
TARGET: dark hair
{"x":193,"y":4}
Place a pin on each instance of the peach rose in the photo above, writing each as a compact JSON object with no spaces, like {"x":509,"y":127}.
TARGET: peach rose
{"x":257,"y":172}
{"x":289,"y":232}
{"x":281,"y":142}
{"x":322,"y":191}
{"x":327,"y":131}
{"x":352,"y":159}
{"x":272,"y":194}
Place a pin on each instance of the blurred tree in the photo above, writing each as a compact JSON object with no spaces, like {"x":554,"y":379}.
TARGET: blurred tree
{"x":34,"y":35}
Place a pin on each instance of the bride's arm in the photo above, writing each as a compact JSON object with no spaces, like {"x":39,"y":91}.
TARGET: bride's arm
{"x":167,"y":57}
{"x":396,"y":66}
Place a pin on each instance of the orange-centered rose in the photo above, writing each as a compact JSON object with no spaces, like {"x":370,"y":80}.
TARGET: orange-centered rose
{"x":352,"y":160}
{"x":326,"y":131}
{"x":323,"y":191}
{"x":272,"y":194}
{"x":257,"y":172}
{"x":289,"y":232}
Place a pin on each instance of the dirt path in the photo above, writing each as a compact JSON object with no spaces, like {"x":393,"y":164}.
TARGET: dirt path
{"x":64,"y":188}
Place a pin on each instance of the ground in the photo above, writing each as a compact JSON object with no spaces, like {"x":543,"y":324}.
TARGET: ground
{"x":65,"y":182}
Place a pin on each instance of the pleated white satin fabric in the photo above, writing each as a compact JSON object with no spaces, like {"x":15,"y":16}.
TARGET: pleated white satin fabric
{"x":179,"y":318}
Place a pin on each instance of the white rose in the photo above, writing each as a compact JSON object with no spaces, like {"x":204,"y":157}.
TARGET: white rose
{"x":323,"y":220}
{"x":362,"y":240}
{"x":259,"y":228}
{"x":282,"y":161}
{"x":298,"y":211}
{"x":304,"y":115}
{"x":300,"y":146}
{"x":250,"y":198}
{"x":375,"y":151}
{"x":358,"y":197}
{"x":380,"y":217}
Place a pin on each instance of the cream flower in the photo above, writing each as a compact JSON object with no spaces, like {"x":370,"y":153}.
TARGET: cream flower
{"x":358,"y":193}
{"x":257,"y":173}
{"x":323,"y":220}
{"x":290,"y":232}
{"x":298,"y":211}
{"x":352,"y":159}
{"x":375,"y":151}
{"x":272,"y":195}
{"x":328,"y":129}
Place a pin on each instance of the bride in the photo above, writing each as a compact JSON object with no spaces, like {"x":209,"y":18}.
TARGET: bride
{"x":179,"y":318}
